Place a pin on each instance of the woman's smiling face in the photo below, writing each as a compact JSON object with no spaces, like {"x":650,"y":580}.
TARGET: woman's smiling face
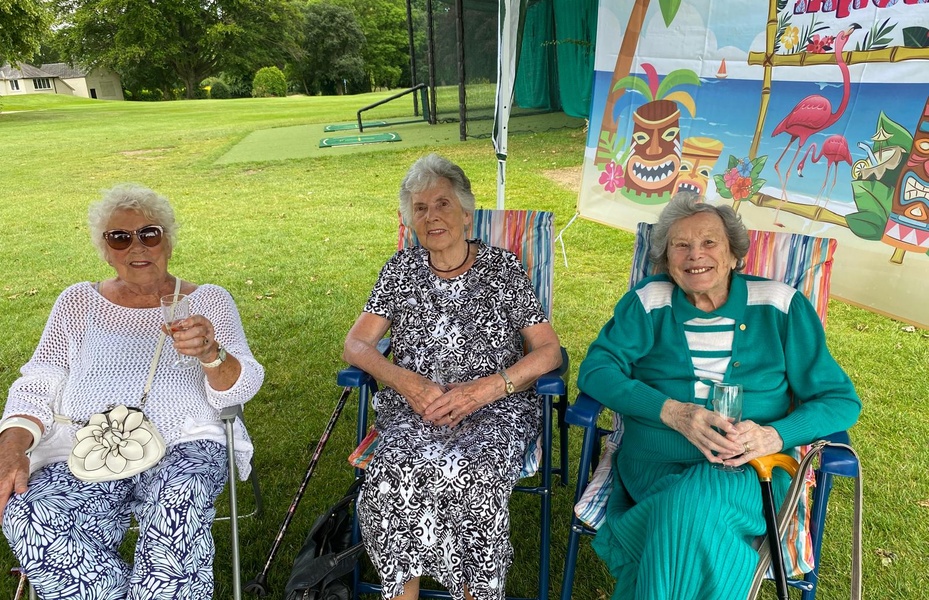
{"x":699,"y":259}
{"x":138,"y":264}
{"x":438,"y":218}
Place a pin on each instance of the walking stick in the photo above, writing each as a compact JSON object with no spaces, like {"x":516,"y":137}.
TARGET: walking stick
{"x":259,"y":585}
{"x":764,"y":466}
{"x":21,"y":584}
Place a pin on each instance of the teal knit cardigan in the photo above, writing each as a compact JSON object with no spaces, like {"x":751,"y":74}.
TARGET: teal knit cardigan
{"x":779,"y":355}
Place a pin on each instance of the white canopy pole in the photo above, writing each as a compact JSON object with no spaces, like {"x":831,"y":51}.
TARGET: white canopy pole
{"x":507,"y":52}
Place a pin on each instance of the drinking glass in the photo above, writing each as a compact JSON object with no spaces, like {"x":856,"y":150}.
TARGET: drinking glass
{"x":727,"y":402}
{"x":176,"y":307}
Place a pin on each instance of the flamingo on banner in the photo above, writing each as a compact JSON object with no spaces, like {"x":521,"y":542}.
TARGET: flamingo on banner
{"x":812,"y":115}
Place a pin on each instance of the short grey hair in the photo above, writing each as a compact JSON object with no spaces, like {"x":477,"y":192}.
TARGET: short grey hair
{"x":134,"y":198}
{"x":424,"y":174}
{"x":688,"y":204}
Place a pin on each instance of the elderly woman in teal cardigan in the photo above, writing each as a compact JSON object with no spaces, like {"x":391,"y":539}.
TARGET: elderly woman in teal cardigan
{"x":676,"y":527}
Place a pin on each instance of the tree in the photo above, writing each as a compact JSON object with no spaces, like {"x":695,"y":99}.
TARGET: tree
{"x":383,"y":23}
{"x":23,"y":26}
{"x":269,"y":81}
{"x":332,"y":50}
{"x":180,"y":40}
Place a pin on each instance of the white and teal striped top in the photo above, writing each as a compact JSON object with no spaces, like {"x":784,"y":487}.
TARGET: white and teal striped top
{"x":710,"y":343}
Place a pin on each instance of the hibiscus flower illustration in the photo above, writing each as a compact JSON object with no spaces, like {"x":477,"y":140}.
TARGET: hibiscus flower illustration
{"x":741,"y":188}
{"x":820,"y":45}
{"x":112,"y":439}
{"x":791,"y":37}
{"x":612,"y":177}
{"x":741,"y":179}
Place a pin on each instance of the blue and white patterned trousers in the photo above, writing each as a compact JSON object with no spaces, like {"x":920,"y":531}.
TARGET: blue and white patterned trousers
{"x":66,"y":533}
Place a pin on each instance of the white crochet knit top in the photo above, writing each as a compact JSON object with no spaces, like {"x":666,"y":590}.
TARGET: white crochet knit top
{"x":94,"y":353}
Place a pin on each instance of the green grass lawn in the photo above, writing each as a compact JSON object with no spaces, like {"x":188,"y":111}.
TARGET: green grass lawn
{"x":299,"y":243}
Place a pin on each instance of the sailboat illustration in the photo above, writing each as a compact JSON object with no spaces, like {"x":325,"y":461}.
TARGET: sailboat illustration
{"x":721,"y":73}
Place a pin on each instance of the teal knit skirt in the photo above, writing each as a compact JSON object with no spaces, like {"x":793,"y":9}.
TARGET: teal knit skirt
{"x":689,"y":534}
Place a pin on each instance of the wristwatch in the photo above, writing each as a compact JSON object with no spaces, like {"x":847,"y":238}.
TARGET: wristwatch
{"x":510,"y":388}
{"x":220,"y":359}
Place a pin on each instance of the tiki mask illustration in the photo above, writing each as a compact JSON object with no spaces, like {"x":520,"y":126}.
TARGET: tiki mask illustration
{"x":698,"y":157}
{"x":908,"y":224}
{"x":656,"y":150}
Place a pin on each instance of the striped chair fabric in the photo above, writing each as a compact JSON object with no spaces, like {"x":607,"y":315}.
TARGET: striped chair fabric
{"x":801,"y":261}
{"x":529,"y":234}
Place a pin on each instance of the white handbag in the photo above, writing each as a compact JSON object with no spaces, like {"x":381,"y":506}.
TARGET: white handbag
{"x":115,"y":444}
{"x":119,"y":442}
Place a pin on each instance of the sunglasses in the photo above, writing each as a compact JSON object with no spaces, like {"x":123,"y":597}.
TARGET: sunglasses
{"x":120,"y":239}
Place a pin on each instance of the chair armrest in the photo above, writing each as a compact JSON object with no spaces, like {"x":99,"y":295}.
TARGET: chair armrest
{"x":230,"y":413}
{"x":554,"y":383}
{"x":352,"y":376}
{"x":838,"y":461}
{"x":584,"y":412}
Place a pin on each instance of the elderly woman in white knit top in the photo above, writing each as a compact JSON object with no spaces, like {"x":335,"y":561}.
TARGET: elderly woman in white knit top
{"x":97,"y":350}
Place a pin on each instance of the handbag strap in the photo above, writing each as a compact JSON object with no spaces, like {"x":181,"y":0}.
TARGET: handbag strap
{"x":790,"y":506}
{"x":151,"y":371}
{"x":154,"y":365}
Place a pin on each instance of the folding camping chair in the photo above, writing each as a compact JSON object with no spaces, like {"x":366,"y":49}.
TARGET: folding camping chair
{"x":805,"y":263}
{"x":529,"y":235}
{"x":228,"y":416}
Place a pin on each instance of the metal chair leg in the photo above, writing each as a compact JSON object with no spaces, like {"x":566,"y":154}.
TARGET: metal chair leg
{"x":561,"y":408}
{"x":546,"y":509}
{"x":817,"y":525}
{"x":588,"y":447}
{"x":234,"y":513}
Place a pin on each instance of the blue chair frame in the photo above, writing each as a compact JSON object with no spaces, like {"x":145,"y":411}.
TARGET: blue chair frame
{"x":553,"y":388}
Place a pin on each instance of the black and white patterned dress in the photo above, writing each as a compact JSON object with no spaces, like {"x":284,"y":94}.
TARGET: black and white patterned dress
{"x":434,"y":501}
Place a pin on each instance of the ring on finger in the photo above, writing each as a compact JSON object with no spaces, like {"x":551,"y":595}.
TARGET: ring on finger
{"x":748,"y":447}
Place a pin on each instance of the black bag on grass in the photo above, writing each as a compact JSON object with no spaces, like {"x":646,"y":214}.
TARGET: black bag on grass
{"x":323,"y":567}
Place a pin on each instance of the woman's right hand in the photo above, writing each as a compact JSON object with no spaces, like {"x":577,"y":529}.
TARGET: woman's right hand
{"x":14,"y":464}
{"x":420,"y":392}
{"x":703,"y":428}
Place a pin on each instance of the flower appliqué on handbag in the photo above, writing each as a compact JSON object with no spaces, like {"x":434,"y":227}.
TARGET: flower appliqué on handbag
{"x":115,"y":444}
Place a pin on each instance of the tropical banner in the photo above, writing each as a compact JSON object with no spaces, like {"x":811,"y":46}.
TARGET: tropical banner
{"x":809,"y":116}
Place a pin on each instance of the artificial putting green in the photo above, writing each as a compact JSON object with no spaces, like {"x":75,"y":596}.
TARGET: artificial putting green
{"x":351,"y":140}
{"x":350,"y":126}
{"x":302,"y":141}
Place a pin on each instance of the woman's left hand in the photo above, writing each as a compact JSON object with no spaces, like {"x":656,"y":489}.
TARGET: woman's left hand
{"x":756,"y":440}
{"x":462,"y":399}
{"x":194,"y":336}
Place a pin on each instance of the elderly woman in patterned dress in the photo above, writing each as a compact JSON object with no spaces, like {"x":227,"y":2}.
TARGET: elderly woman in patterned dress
{"x":97,"y":349}
{"x":457,"y":410}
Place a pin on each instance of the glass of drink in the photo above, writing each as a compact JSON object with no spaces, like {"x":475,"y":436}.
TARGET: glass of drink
{"x":174,"y":308}
{"x":727,"y":402}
